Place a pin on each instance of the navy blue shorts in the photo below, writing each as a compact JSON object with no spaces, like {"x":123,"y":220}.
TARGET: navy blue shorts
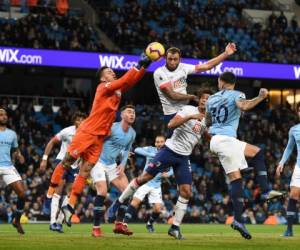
{"x":167,"y":119}
{"x":166,"y":158}
{"x":70,"y":174}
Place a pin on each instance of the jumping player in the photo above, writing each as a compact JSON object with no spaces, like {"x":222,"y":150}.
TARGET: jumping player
{"x":171,"y":79}
{"x":53,"y":197}
{"x":89,"y":138}
{"x":224,"y":111}
{"x":294,"y":139}
{"x":117,"y":144}
{"x":10,"y":175}
{"x":189,"y":126}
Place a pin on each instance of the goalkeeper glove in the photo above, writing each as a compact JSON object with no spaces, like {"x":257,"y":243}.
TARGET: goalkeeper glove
{"x":144,"y":61}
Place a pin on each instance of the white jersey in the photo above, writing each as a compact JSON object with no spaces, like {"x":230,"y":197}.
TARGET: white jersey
{"x":177,"y":78}
{"x":65,"y":136}
{"x":186,"y":136}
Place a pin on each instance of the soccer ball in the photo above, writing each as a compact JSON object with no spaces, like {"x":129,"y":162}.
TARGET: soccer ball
{"x":155,"y":51}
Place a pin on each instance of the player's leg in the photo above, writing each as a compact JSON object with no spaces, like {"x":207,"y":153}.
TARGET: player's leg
{"x":231,"y":155}
{"x":120,"y":181}
{"x":77,"y":188}
{"x":162,"y":160}
{"x":99,"y":179}
{"x":121,"y":226}
{"x":80,"y":143}
{"x":183,"y":175}
{"x":55,"y":205}
{"x":294,"y":197}
{"x":19,"y":189}
{"x":257,"y":162}
{"x":236,"y":195}
{"x":89,"y":158}
{"x":155,"y":198}
{"x":59,"y":171}
{"x":292,"y":210}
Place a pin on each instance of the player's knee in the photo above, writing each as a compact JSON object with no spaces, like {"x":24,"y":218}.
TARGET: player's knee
{"x":22,"y":194}
{"x":68,"y":161}
{"x":294,"y":194}
{"x":185,"y":192}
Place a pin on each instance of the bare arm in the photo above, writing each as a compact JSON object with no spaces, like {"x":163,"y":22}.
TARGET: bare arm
{"x":178,"y":120}
{"x":229,"y":50}
{"x":170,"y":93}
{"x":245,"y":105}
{"x":54,"y":141}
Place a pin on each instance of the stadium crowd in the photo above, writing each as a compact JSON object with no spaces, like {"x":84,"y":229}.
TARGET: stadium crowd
{"x":194,"y":27}
{"x":44,"y":28}
{"x":210,"y":202}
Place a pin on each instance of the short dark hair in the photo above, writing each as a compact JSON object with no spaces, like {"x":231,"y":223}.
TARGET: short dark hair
{"x":128,"y":106}
{"x":203,"y":91}
{"x":173,"y":50}
{"x":78,"y":114}
{"x":2,"y":108}
{"x":159,"y":135}
{"x":228,"y":77}
{"x":99,"y":72}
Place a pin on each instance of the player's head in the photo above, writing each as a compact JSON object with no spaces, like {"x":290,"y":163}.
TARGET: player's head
{"x":226,"y":79}
{"x":173,"y":56}
{"x":203,"y":95}
{"x":159,"y":141}
{"x":78,"y":118}
{"x":105,"y":74}
{"x":128,"y":114}
{"x":3,"y":117}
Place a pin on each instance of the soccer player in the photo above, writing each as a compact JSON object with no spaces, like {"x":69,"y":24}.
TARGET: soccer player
{"x":224,"y":110}
{"x":117,"y":144}
{"x":151,"y":188}
{"x":294,"y":139}
{"x":171,"y":79}
{"x":89,"y":138}
{"x":10,"y":175}
{"x":64,"y":138}
{"x":189,"y":126}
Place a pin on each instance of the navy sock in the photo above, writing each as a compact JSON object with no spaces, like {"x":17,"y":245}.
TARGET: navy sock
{"x":258,"y":163}
{"x":291,"y":213}
{"x":153,"y":217}
{"x":98,"y":209}
{"x":130,"y":212}
{"x":121,"y":212}
{"x":20,"y":206}
{"x":236,"y":194}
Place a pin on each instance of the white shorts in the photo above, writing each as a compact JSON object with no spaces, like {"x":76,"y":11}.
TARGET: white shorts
{"x":101,"y":172}
{"x":10,"y":174}
{"x":295,"y":181}
{"x":230,"y":152}
{"x":154,"y":194}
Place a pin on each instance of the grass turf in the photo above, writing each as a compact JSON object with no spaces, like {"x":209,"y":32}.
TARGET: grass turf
{"x":38,"y":237}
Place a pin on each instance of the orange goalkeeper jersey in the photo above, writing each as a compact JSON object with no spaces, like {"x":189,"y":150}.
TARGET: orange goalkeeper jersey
{"x":106,"y":103}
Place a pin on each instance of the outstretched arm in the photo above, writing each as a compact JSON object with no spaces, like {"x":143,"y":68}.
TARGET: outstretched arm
{"x":229,"y":50}
{"x":54,"y":141}
{"x":245,"y":105}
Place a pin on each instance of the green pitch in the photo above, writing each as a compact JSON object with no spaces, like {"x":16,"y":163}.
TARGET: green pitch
{"x":216,"y":237}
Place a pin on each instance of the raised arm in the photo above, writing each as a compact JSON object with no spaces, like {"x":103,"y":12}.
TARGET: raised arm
{"x":170,"y":93}
{"x":229,"y":50}
{"x":245,"y":105}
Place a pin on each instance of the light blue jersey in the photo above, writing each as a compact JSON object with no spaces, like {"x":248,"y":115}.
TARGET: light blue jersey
{"x":224,"y":112}
{"x":149,"y":153}
{"x":8,"y":140}
{"x":117,"y":145}
{"x":294,"y":139}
